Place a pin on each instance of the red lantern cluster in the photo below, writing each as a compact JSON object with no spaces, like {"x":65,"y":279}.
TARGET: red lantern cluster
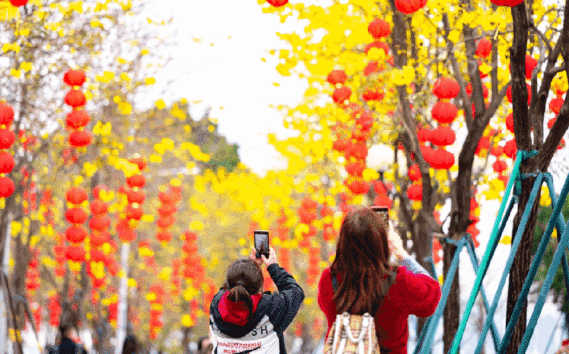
{"x":157,"y":309}
{"x":308,"y":213}
{"x":54,"y":310}
{"x":78,"y":118}
{"x":135,"y":197}
{"x":193,"y":268}
{"x":356,"y":149}
{"x":7,"y":138}
{"x":33,"y":273}
{"x":313,"y":272}
{"x":75,"y":215}
{"x":168,"y":207}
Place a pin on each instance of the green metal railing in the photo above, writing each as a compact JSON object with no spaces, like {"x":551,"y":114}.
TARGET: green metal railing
{"x":424,"y":342}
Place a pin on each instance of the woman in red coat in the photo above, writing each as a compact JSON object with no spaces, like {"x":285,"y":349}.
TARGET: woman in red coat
{"x":368,"y":282}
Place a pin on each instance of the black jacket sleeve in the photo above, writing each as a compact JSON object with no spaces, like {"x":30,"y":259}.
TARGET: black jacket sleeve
{"x":286,"y":303}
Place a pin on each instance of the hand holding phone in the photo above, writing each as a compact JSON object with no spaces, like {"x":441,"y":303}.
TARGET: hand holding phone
{"x":262,"y":243}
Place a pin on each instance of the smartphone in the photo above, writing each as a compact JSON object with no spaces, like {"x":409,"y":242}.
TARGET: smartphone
{"x":262,"y":243}
{"x":383,"y":213}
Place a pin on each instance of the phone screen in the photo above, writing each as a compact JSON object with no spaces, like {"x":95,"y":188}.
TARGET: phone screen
{"x":262,"y":243}
{"x":383,"y":214}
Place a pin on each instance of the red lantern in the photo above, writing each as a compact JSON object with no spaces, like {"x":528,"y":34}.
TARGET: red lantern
{"x":76,"y":234}
{"x":76,"y":195}
{"x":341,"y":94}
{"x":75,"y":98}
{"x":76,"y":216}
{"x":497,"y":151}
{"x":444,"y":112}
{"x":74,"y":77}
{"x":98,"y":207}
{"x":550,"y":123}
{"x":100,"y":223}
{"x":126,"y":234}
{"x":99,"y":238}
{"x":6,"y":162}
{"x":6,"y":114}
{"x":133,"y":212}
{"x":510,"y":3}
{"x":136,"y":196}
{"x":18,"y":3}
{"x":446,"y":88}
{"x":164,"y":236}
{"x":500,"y":166}
{"x":415,"y":192}
{"x":510,"y":122}
{"x":359,"y":187}
{"x":165,"y":222}
{"x":358,"y":151}
{"x":371,"y":67}
{"x":409,"y":6}
{"x":167,"y":210}
{"x":378,"y":28}
{"x":80,"y":138}
{"x":77,"y":119}
{"x":75,"y":253}
{"x":555,"y":105}
{"x":277,"y":3}
{"x":423,"y":135}
{"x":382,"y":200}
{"x":340,"y":145}
{"x":414,"y":173}
{"x":373,"y":95}
{"x":355,"y":168}
{"x":484,"y":48}
{"x":510,"y":149}
{"x":136,"y":181}
{"x":337,"y":77}
{"x":443,"y":136}
{"x":441,"y":159}
{"x":98,"y":189}
{"x":7,"y":138}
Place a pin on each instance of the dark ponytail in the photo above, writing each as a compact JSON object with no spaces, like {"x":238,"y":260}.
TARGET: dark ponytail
{"x":244,"y":278}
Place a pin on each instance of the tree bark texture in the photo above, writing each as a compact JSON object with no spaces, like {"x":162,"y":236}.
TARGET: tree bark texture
{"x":451,"y":314}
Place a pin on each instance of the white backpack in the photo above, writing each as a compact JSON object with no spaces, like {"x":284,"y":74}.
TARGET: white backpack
{"x":341,"y":338}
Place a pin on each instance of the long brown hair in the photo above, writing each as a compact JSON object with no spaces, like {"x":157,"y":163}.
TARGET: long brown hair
{"x":362,"y":256}
{"x":244,"y":278}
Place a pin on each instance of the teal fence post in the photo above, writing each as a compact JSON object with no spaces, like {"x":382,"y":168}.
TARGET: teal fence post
{"x":444,"y":297}
{"x":560,"y":225}
{"x":510,"y":261}
{"x":544,"y":290}
{"x":488,"y":254}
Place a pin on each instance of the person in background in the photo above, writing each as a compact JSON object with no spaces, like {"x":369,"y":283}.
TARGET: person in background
{"x":204,"y":345}
{"x":245,"y":319}
{"x":67,"y":346}
{"x":368,"y":282}
{"x":130,"y":345}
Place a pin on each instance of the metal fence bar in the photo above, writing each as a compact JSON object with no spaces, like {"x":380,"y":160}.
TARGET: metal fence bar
{"x":560,"y":225}
{"x":489,"y":252}
{"x":444,"y":297}
{"x":474,"y":259}
{"x":509,"y":262}
{"x":544,"y":290}
{"x":553,"y":221}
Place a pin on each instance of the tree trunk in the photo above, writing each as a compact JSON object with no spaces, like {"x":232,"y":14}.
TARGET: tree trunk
{"x":521,"y":265}
{"x":186,"y":339}
{"x":451,"y":314}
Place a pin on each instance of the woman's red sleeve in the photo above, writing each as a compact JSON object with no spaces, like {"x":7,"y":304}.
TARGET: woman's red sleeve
{"x":423,"y":294}
{"x":325,"y":295}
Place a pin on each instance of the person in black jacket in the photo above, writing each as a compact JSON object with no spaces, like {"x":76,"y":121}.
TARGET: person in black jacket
{"x":244,"y":320}
{"x":67,"y":346}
